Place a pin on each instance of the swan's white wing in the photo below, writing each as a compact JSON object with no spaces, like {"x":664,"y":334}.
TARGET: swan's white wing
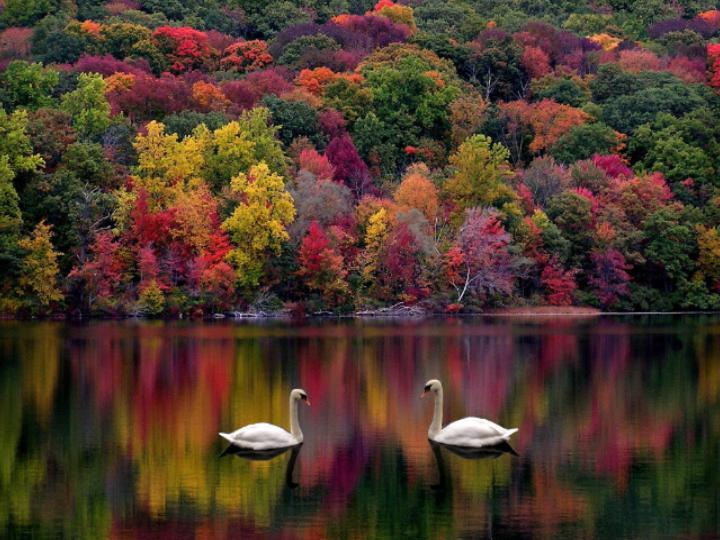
{"x":261,"y":436}
{"x":472,"y":431}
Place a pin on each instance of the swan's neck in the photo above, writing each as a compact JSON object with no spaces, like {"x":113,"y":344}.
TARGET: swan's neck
{"x":436,"y":424}
{"x":295,"y":430}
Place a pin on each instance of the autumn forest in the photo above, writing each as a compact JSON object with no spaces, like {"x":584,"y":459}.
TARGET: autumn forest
{"x":184,"y":158}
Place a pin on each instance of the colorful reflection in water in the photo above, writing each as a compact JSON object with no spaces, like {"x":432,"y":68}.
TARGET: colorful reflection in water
{"x":110,"y":429}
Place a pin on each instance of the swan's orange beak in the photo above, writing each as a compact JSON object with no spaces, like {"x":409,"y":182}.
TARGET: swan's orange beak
{"x":307,"y":402}
{"x":423,"y":395}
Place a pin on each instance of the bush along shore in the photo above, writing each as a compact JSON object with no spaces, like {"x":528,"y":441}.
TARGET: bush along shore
{"x":373,"y":159}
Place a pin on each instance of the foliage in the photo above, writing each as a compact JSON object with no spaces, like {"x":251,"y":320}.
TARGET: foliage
{"x":37,"y":285}
{"x":88,"y":106}
{"x":481,"y":176}
{"x":322,"y":267}
{"x":257,"y":226}
{"x":479,"y":262}
{"x":194,"y":156}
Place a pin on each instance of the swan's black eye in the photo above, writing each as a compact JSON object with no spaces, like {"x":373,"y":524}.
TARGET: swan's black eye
{"x":427,"y":387}
{"x":303,"y":397}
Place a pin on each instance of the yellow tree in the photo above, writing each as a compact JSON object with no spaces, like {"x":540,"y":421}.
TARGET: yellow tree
{"x":708,"y":261}
{"x":481,"y":177}
{"x":375,"y":234}
{"x":258,"y":225}
{"x":37,"y":285}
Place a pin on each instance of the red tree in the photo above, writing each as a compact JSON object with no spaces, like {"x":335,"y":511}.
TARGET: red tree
{"x":350,"y":169}
{"x":317,"y":164}
{"x":321,"y":266}
{"x":559,"y":283}
{"x":479,"y":261}
{"x":101,"y":273}
{"x":610,"y":277}
{"x":185,"y":47}
{"x":401,"y":264}
{"x":246,"y":56}
{"x":613,"y":165}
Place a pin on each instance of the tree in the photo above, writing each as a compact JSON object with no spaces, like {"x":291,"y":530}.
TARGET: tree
{"x":545,"y":179}
{"x":350,"y":169}
{"x":297,"y":53}
{"x":559,"y":283}
{"x":235,"y":147}
{"x":15,"y":157}
{"x":311,"y":161}
{"x":639,"y":196}
{"x":119,"y":39}
{"x":10,"y":225}
{"x":584,"y":141}
{"x":609,"y":276}
{"x":184,"y":47}
{"x":479,"y":261}
{"x":245,"y":56}
{"x":216,"y":278}
{"x":396,"y":13}
{"x":708,"y":261}
{"x":670,"y":243}
{"x":573,"y":213}
{"x":88,"y":106}
{"x":37,"y":284}
{"x":495,"y":66}
{"x":15,"y":144}
{"x":25,"y":12}
{"x":27,"y":85}
{"x":294,"y":119}
{"x":402,"y":267}
{"x":101,"y":273}
{"x":328,"y":203}
{"x":481,"y":175}
{"x":411,"y":92}
{"x":209,"y":97}
{"x":417,"y":191}
{"x":257,"y":226}
{"x":566,"y":90}
{"x":627,"y":112}
{"x":321,"y":266}
{"x":548,"y":120}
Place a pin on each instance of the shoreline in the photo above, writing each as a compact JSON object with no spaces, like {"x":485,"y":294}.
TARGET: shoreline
{"x":286,"y":316}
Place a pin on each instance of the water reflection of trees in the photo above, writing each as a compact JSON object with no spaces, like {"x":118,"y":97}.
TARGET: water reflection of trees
{"x":113,"y":426}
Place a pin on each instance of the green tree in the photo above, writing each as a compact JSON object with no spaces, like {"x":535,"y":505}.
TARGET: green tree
{"x":572,"y":213}
{"x":88,"y":106}
{"x":15,"y":144}
{"x":412,"y":90}
{"x":582,"y":142}
{"x":23,"y":84}
{"x":26,"y":12}
{"x":294,"y":119}
{"x":670,"y":244}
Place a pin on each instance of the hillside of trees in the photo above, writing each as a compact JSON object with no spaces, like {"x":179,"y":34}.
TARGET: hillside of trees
{"x":167,"y":157}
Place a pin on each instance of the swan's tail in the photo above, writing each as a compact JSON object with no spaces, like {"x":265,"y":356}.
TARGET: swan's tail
{"x":507,"y":433}
{"x":227,"y":436}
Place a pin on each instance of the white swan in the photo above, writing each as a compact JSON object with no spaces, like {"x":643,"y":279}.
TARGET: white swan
{"x":470,"y":432}
{"x":264,"y":436}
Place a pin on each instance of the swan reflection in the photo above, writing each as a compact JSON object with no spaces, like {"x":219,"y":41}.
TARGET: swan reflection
{"x":487,"y":452}
{"x":267,"y":455}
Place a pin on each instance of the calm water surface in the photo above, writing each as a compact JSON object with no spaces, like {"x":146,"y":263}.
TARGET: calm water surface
{"x":110,"y":429}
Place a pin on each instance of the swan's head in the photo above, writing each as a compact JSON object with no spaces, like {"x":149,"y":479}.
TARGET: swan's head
{"x":433,"y":385}
{"x":298,"y":394}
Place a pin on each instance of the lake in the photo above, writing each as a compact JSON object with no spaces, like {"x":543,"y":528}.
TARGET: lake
{"x":109,"y":429}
